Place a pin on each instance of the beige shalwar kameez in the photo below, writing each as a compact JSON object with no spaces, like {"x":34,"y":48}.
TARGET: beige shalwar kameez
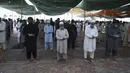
{"x":62,"y":36}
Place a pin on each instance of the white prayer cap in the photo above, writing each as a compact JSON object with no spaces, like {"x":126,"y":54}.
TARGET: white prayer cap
{"x":47,"y":21}
{"x":61,"y":23}
{"x":92,"y":21}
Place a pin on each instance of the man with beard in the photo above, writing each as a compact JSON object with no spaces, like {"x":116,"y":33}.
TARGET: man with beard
{"x":91,"y":33}
{"x":62,"y":36}
{"x":31,"y":31}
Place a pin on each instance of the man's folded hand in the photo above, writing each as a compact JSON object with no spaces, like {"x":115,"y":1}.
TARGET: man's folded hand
{"x":30,"y":34}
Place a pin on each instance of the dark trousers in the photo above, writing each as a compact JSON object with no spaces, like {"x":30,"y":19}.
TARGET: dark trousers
{"x":71,"y":43}
{"x":8,"y":37}
{"x":31,"y":47}
{"x":31,"y":52}
{"x":108,"y":52}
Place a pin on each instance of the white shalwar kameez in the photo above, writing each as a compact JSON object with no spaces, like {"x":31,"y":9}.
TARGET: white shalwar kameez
{"x":89,"y":43}
{"x":78,"y":25}
{"x":18,"y":27}
{"x":3,"y":35}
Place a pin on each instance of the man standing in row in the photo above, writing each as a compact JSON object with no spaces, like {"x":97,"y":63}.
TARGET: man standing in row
{"x":48,"y":30}
{"x":2,"y":34}
{"x":18,"y":28}
{"x":41,"y":30}
{"x":91,"y":33}
{"x":62,"y":36}
{"x":31,"y":31}
{"x":78,"y":25}
{"x":73,"y":35}
{"x":2,"y":37}
{"x":112,"y":39}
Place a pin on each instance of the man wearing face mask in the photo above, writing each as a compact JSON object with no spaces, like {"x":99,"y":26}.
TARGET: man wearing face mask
{"x":48,"y":30}
{"x":112,"y":37}
{"x":62,"y":36}
{"x":91,"y":33}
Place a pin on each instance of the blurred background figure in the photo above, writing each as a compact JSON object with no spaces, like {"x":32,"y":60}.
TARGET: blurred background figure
{"x":73,"y":35}
{"x":41,"y":30}
{"x":78,"y":25}
{"x":18,"y":29}
{"x":22,"y":37}
{"x":37,"y":22}
{"x":2,"y":35}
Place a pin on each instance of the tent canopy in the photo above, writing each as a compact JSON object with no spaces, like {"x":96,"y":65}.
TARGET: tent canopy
{"x":55,"y":7}
{"x":19,"y":6}
{"x":124,"y":8}
{"x":58,"y":7}
{"x":108,"y":13}
{"x":90,"y":5}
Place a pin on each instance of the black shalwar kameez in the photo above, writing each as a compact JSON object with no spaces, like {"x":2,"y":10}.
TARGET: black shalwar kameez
{"x":31,"y":31}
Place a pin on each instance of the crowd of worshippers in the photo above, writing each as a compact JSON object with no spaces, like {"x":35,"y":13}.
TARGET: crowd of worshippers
{"x":64,"y":34}
{"x":6,"y":28}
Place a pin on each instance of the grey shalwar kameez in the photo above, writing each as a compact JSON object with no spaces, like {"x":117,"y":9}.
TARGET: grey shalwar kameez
{"x":112,"y":39}
{"x":62,"y":36}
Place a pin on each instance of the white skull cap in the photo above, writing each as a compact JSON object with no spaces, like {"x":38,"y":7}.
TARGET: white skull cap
{"x":47,"y":21}
{"x":61,"y":23}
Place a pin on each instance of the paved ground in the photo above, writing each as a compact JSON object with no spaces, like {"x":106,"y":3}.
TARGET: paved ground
{"x":73,"y":66}
{"x":16,"y":61}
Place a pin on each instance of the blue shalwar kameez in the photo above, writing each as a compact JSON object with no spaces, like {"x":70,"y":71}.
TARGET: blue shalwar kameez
{"x":48,"y":30}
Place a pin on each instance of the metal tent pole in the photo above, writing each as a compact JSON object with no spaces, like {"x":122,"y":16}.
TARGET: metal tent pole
{"x":34,"y":12}
{"x":67,"y":16}
{"x":72,"y":14}
{"x":21,"y":9}
{"x":12,"y":15}
{"x":84,"y":13}
{"x":84,"y":9}
{"x":105,"y":14}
